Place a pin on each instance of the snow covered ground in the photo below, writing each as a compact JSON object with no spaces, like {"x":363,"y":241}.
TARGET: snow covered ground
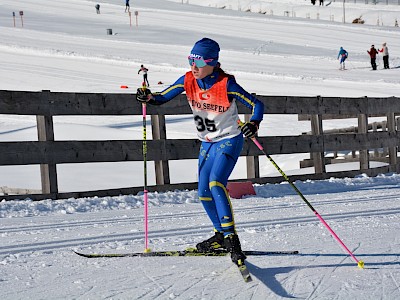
{"x":37,"y":261}
{"x":63,"y":46}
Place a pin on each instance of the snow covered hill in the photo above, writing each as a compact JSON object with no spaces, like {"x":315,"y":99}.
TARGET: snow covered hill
{"x":65,"y":47}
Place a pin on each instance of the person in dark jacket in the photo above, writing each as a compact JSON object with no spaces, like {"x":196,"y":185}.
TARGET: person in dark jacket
{"x":97,"y":8}
{"x":372,"y":54}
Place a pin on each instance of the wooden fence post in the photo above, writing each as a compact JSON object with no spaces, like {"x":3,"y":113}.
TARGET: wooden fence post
{"x":48,"y":172}
{"x":391,"y":125}
{"x":363,"y":128}
{"x":252,"y":162}
{"x":160,"y":133}
{"x":317,"y":157}
{"x":385,"y":150}
{"x":375,"y":129}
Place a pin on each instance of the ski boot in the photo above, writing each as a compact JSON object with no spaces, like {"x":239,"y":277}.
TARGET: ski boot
{"x":216,"y":242}
{"x":232,"y":244}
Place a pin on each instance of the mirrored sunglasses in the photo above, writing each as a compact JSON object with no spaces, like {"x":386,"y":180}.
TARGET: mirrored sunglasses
{"x":198,"y":61}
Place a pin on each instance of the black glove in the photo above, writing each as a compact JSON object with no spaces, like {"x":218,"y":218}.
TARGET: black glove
{"x":249,"y":129}
{"x":143,"y":95}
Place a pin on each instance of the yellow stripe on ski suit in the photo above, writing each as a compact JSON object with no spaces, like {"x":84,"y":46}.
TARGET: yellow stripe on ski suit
{"x":219,"y":184}
{"x":245,"y":99}
{"x":171,"y":88}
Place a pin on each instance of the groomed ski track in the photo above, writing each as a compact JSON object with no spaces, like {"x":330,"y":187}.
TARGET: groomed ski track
{"x":366,"y":222}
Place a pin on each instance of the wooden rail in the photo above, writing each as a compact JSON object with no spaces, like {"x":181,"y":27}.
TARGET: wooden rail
{"x":48,"y":152}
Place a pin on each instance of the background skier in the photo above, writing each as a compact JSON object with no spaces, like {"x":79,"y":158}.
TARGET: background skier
{"x":342,"y":55}
{"x":212,"y":95}
{"x":144,"y":70}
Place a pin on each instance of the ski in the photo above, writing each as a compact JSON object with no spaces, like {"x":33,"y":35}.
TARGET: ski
{"x":262,"y":253}
{"x":187,"y":252}
{"x":191,"y":252}
{"x":245,"y":272}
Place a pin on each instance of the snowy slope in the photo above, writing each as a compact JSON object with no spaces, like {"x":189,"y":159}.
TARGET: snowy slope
{"x":64,"y":47}
{"x":38,"y":238}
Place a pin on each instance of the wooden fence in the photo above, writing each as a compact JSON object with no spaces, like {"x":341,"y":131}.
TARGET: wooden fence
{"x":48,"y":152}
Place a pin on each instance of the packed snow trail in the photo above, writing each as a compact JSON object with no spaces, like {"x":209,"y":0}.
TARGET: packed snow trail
{"x":38,"y":262}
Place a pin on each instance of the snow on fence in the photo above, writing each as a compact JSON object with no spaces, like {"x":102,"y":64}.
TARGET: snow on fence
{"x":48,"y":152}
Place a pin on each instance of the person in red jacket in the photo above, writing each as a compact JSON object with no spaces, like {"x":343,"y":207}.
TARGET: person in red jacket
{"x":372,"y":53}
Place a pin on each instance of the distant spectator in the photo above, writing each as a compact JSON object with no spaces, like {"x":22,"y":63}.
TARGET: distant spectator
{"x":313,"y":2}
{"x":97,"y":8}
{"x":321,"y":2}
{"x":385,"y":52}
{"x":342,"y":55}
{"x":144,"y":70}
{"x":127,"y":7}
{"x":372,"y":53}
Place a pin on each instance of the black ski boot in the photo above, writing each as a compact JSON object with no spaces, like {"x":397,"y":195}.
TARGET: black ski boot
{"x":232,"y":244}
{"x":216,"y":242}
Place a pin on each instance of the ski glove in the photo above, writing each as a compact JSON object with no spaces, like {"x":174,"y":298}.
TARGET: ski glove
{"x":143,"y":95}
{"x":249,"y":129}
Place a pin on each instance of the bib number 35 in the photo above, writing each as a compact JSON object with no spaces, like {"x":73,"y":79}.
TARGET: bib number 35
{"x":204,"y":124}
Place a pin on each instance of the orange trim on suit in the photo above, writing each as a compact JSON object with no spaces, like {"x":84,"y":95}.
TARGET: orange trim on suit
{"x":214,"y":100}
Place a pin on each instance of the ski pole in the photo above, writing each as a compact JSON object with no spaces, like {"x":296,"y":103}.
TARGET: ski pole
{"x":360,"y":263}
{"x":145,"y":196}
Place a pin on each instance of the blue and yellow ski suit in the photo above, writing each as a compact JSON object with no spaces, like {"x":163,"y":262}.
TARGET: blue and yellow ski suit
{"x":213,"y":102}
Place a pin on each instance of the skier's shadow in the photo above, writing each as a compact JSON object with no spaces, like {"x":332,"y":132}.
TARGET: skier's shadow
{"x":268,"y":277}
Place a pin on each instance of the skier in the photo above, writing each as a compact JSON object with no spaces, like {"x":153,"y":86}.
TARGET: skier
{"x":385,"y":52}
{"x":127,"y":7}
{"x":343,"y":56}
{"x":372,"y":53}
{"x":212,"y":95}
{"x":97,"y":6}
{"x":144,"y":70}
